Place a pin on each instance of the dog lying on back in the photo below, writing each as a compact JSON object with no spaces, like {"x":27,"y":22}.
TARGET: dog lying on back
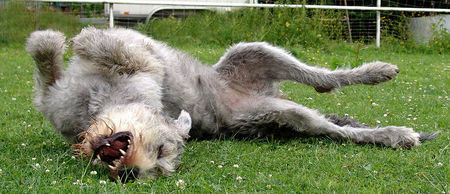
{"x":130,"y":102}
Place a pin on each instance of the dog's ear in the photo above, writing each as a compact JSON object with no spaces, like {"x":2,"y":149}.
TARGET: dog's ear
{"x":184,"y":124}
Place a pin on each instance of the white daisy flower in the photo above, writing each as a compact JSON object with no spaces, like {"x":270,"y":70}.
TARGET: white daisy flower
{"x":180,"y":184}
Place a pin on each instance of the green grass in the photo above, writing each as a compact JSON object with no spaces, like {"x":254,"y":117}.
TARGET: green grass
{"x":417,"y":98}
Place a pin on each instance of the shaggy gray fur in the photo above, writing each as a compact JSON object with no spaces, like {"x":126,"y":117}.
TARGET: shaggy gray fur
{"x":242,"y":88}
{"x":238,"y":95}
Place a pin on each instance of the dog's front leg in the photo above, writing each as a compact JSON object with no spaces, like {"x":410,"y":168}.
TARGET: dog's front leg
{"x":308,"y":121}
{"x":116,"y":52}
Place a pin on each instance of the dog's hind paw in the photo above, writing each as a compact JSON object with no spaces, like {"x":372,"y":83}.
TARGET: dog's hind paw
{"x":377,"y":72}
{"x":401,"y":137}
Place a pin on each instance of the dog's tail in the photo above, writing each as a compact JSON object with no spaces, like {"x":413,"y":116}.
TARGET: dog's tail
{"x":428,"y":136}
{"x":47,"y":49}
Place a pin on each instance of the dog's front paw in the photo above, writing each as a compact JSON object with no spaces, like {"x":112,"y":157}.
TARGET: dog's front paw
{"x":46,"y":45}
{"x":96,"y":45}
{"x":377,"y":72}
{"x":85,"y":43}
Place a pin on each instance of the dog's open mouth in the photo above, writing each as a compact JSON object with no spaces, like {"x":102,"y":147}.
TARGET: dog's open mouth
{"x":113,"y":150}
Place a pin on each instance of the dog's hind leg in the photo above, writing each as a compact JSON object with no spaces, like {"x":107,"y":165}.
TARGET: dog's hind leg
{"x":271,"y":111}
{"x":257,"y":65}
{"x":116,"y":51}
{"x":47,"y":49}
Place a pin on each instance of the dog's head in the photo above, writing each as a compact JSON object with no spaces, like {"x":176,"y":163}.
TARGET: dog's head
{"x":136,"y":142}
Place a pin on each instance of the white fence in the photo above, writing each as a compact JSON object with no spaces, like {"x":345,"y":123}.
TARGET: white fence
{"x":254,"y":3}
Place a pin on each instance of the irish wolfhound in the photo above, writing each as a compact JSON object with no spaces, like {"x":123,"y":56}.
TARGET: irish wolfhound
{"x":130,"y":101}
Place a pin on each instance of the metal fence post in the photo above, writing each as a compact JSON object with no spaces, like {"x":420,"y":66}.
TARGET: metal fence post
{"x":378,"y":24}
{"x":111,"y":15}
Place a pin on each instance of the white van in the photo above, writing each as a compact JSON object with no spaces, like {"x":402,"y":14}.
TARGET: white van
{"x":141,"y":12}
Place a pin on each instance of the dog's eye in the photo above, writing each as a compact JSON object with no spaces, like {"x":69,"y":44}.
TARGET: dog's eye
{"x":160,"y":151}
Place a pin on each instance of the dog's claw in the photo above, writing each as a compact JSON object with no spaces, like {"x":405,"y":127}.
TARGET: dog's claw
{"x":112,"y":167}
{"x":122,"y":152}
{"x":107,"y":144}
{"x":98,"y":157}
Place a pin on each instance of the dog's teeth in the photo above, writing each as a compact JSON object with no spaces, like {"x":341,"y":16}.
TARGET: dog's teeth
{"x":129,"y":141}
{"x":123,"y":152}
{"x":107,"y":144}
{"x":98,"y":157}
{"x":128,"y":146}
{"x":112,"y":167}
{"x":121,"y":157}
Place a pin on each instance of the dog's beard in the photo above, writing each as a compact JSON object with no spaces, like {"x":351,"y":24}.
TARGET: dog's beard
{"x":129,"y":146}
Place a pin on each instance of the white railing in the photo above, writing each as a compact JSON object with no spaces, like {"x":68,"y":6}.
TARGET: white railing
{"x":378,"y":8}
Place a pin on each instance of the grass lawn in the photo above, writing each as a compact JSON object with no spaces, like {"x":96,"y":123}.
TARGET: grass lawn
{"x":35,"y":159}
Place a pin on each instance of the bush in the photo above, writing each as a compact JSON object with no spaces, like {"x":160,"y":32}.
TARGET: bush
{"x":281,"y":26}
{"x":17,"y":21}
{"x":441,"y":38}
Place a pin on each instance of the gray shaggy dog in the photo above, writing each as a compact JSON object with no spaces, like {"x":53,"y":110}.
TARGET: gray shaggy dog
{"x":130,"y":101}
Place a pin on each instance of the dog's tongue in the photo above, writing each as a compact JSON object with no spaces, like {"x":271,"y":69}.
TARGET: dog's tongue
{"x":113,"y":150}
{"x":113,"y":147}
